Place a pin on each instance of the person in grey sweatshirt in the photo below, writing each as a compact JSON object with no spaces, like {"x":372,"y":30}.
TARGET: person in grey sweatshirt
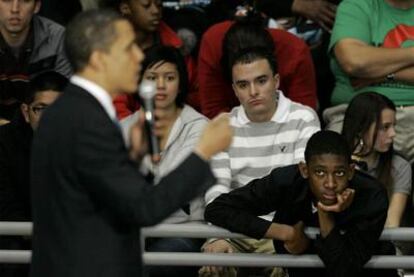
{"x":166,"y":67}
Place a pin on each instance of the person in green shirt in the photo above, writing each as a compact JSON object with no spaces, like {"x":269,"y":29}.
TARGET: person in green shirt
{"x":371,"y":49}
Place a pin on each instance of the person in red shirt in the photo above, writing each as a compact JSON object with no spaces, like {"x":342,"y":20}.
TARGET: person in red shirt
{"x":146,"y":17}
{"x":297,"y":73}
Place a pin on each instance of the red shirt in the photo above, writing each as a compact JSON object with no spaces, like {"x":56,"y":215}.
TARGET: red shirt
{"x":295,"y":66}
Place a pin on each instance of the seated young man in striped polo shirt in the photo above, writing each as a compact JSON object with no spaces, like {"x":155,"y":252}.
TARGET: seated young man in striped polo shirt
{"x":270,"y":131}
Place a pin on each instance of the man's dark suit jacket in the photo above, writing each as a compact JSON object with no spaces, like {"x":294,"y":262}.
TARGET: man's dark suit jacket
{"x":89,"y":200}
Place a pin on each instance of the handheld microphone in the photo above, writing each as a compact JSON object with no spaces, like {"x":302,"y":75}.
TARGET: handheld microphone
{"x":147,"y":90}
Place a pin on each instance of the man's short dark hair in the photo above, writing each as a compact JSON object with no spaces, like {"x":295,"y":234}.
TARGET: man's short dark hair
{"x":327,"y":142}
{"x":89,"y":31}
{"x":244,"y":35}
{"x":249,"y":55}
{"x":48,"y":80}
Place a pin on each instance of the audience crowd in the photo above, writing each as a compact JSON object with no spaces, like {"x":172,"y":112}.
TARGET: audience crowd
{"x":282,"y":71}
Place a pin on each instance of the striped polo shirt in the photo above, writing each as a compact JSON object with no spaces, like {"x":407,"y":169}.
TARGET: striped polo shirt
{"x":257,"y":148}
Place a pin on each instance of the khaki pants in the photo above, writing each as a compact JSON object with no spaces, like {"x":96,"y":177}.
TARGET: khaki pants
{"x":264,"y":246}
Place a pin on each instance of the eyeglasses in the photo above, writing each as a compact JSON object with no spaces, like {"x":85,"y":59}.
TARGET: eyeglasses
{"x":38,"y":109}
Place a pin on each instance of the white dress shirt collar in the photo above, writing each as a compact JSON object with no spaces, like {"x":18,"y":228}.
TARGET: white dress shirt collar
{"x":98,"y":92}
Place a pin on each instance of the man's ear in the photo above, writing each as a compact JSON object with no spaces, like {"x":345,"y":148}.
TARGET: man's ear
{"x":124,"y":8}
{"x":277,"y":81}
{"x":97,"y":60}
{"x":351,"y":171}
{"x":233,"y":85}
{"x":303,"y":168}
{"x":24,"y":108}
{"x":37,"y":7}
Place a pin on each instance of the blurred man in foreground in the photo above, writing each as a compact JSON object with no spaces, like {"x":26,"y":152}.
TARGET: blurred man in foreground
{"x":89,"y":201}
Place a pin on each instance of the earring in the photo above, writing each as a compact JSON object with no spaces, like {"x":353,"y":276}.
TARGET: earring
{"x":359,"y":148}
{"x":361,"y":143}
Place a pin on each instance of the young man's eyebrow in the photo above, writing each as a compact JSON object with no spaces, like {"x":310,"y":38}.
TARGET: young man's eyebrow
{"x":241,"y":81}
{"x":255,"y":78}
{"x":261,"y":76}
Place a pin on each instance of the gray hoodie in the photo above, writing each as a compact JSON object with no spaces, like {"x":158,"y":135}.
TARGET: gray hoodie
{"x":181,"y":141}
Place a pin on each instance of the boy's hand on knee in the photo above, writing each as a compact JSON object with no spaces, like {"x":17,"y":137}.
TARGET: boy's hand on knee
{"x":217,"y":246}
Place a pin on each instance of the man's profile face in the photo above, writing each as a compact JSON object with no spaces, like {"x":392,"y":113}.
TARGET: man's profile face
{"x":328,"y":175}
{"x":122,"y":62}
{"x":16,"y":15}
{"x":32,"y":112}
{"x":255,"y":86}
{"x":145,"y":15}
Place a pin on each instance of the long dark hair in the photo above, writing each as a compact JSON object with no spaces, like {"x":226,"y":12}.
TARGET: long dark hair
{"x":363,"y":110}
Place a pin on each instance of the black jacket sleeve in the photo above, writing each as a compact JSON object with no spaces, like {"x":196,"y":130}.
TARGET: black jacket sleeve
{"x":114,"y":183}
{"x":345,"y":251}
{"x":238,"y":210}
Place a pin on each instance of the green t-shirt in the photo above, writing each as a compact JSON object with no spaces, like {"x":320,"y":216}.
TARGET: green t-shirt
{"x":376,"y":23}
